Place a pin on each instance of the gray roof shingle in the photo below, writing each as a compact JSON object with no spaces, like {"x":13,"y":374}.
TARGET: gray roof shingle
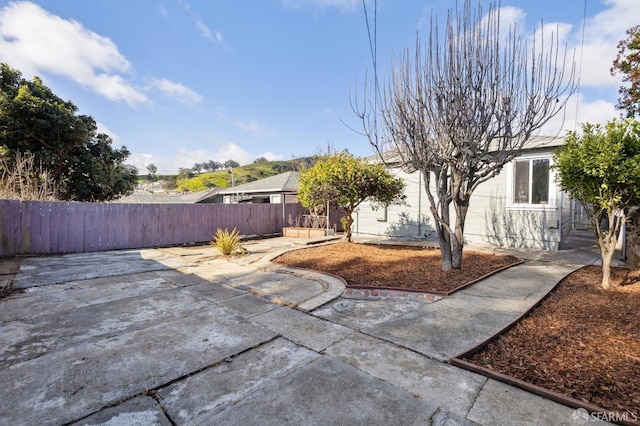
{"x":284,"y":182}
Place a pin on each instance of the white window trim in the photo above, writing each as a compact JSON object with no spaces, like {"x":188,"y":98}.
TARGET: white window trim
{"x":553,"y":190}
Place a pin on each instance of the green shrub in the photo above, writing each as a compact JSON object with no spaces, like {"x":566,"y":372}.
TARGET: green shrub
{"x":227,"y":242}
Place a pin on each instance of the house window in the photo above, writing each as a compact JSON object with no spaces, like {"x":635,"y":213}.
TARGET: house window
{"x":531,"y":181}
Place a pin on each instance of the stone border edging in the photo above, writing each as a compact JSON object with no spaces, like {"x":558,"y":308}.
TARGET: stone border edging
{"x":388,"y":293}
{"x":458,"y":361}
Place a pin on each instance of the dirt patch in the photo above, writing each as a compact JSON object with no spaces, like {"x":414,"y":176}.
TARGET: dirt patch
{"x":581,"y":341}
{"x":410,"y":268}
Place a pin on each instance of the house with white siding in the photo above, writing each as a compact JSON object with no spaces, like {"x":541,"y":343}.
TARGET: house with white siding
{"x":522,"y":206}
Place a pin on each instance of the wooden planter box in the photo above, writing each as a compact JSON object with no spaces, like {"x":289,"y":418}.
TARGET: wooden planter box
{"x":306,"y":232}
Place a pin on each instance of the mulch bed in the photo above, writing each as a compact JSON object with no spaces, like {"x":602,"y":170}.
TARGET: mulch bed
{"x":581,"y":341}
{"x":409,"y":268}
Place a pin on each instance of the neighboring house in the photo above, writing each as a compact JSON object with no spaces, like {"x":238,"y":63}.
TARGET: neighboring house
{"x":144,"y":197}
{"x":521,"y":207}
{"x":278,"y":189}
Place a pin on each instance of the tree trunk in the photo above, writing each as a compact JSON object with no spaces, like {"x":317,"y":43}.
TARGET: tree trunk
{"x":444,"y":238}
{"x":606,"y":270}
{"x":347,"y":222}
{"x":457,"y":242}
{"x":445,"y":250}
{"x":607,"y":242}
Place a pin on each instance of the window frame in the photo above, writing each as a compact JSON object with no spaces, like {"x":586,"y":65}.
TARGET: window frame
{"x":551,"y":205}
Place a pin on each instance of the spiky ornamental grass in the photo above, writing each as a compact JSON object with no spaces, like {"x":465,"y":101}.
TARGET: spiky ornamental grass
{"x":227,"y":242}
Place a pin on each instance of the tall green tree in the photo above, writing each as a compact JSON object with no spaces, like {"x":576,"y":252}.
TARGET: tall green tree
{"x":82,"y":162}
{"x":601,"y":168}
{"x":346,"y":181}
{"x":627,"y":63}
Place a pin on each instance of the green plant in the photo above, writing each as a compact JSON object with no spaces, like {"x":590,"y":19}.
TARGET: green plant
{"x":600,"y":167}
{"x":228,"y":242}
{"x":346,"y":181}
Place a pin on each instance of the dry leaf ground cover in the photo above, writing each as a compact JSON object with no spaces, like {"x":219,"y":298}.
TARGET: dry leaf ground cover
{"x":410,"y":268}
{"x":581,"y":341}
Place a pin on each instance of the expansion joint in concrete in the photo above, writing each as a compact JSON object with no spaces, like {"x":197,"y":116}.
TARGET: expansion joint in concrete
{"x":476,"y":396}
{"x":165,"y":412}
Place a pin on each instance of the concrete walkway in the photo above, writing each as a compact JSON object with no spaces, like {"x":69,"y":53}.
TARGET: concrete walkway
{"x":176,"y":336}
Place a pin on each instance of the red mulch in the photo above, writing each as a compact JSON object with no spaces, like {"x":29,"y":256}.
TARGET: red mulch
{"x":581,"y":341}
{"x":411,"y":268}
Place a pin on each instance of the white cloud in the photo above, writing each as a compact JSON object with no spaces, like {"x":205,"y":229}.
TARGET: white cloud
{"x":162,"y":11}
{"x":596,"y":111}
{"x":512,"y":21}
{"x":213,"y":37}
{"x":271,"y":156}
{"x":231,"y":151}
{"x":36,"y":41}
{"x":550,"y":33}
{"x":176,"y":91}
{"x":603,"y":31}
{"x":251,"y":125}
{"x":117,"y":140}
{"x":140,"y":161}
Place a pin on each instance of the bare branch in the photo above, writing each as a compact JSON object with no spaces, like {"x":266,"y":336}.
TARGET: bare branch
{"x":463,"y":105}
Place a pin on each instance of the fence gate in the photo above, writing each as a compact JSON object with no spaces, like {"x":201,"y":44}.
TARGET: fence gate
{"x":580,"y":218}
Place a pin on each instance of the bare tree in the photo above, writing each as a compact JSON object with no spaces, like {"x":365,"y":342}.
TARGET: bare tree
{"x":22,"y":178}
{"x":465,"y":109}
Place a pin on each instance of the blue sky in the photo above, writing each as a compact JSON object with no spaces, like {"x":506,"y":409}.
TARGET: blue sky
{"x":180,"y":82}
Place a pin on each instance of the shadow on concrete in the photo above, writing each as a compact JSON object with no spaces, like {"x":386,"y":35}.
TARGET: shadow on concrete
{"x":144,"y":337}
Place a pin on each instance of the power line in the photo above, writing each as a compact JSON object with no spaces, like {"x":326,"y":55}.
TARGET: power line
{"x":584,"y":23}
{"x":373,"y":49}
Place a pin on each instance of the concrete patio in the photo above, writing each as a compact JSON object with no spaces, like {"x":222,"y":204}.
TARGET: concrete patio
{"x":176,"y":336}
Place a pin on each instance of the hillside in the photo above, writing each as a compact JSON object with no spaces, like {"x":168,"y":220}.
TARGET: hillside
{"x":242,"y":174}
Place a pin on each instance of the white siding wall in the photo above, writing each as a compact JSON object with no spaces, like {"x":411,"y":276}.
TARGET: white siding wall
{"x":492,"y":217}
{"x":411,"y":221}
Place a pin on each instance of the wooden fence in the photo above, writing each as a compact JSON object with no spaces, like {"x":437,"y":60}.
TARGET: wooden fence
{"x":36,"y":227}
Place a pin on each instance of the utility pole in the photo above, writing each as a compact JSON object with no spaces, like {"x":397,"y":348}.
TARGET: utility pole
{"x":233,"y":184}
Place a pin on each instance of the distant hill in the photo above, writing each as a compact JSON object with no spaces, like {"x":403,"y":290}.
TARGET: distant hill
{"x":242,"y":174}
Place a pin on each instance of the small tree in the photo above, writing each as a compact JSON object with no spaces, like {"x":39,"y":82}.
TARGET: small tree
{"x":601,"y":169}
{"x":214,"y":165}
{"x":184,"y":173}
{"x":627,"y":63}
{"x":152,"y":169}
{"x":347,"y":181}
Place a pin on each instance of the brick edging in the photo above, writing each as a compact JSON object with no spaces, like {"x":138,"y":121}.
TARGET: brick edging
{"x":386,"y":294}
